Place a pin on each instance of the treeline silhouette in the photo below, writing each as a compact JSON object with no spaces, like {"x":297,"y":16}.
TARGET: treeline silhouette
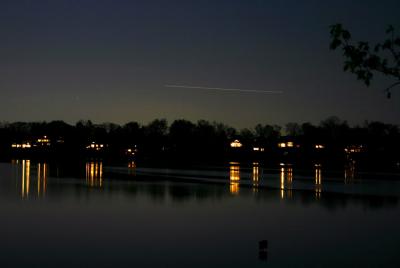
{"x":205,"y":141}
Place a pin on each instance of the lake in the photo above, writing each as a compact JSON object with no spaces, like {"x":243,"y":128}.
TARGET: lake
{"x":93,"y":215}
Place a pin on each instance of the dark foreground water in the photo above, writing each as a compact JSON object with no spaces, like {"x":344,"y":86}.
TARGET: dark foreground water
{"x":206,"y":218}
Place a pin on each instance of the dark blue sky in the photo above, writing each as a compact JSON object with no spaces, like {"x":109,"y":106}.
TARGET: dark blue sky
{"x":109,"y":60}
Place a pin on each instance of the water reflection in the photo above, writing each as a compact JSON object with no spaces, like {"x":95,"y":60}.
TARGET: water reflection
{"x":136,"y":214}
{"x":132,"y":168}
{"x":256,"y":176}
{"x":26,"y":179}
{"x":234,"y":177}
{"x":42,"y":173}
{"x":286,"y":178}
{"x":32,"y":179}
{"x":349,"y":171}
{"x":318,"y":181}
{"x":94,"y":174}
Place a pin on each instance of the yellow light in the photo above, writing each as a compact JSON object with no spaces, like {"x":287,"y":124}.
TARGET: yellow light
{"x":286,"y":178}
{"x":234,"y":176}
{"x":318,"y":175}
{"x":236,"y":144}
{"x":38,"y":178}
{"x":290,"y":175}
{"x":131,"y":168}
{"x":94,"y":174}
{"x":234,"y":188}
{"x":282,"y":145}
{"x":131,"y":165}
{"x":290,"y":144}
{"x":234,"y":173}
{"x":26,"y":145}
{"x":282,"y":178}
{"x":44,"y":178}
{"x":256,"y":174}
{"x":25,"y":180}
{"x":318,"y":181}
{"x":354,"y":149}
{"x":44,"y":141}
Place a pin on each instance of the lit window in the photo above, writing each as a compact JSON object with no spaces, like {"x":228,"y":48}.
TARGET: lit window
{"x":354,"y":149}
{"x":236,"y":144}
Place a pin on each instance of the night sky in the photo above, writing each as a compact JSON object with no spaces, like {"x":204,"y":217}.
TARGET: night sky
{"x":109,"y":61}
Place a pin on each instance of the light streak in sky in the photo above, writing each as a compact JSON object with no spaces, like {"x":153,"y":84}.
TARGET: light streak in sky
{"x":227,"y":89}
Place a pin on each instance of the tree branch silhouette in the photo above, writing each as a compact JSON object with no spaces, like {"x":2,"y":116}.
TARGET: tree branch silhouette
{"x":365,"y":60}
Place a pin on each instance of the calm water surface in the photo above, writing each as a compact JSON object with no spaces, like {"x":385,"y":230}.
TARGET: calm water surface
{"x":95,"y":218}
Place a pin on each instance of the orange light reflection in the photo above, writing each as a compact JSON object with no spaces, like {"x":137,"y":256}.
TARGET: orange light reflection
{"x":94,"y":174}
{"x":234,"y":177}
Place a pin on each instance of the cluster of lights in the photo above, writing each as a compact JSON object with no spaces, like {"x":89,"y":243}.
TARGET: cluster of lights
{"x":94,"y":174}
{"x":236,"y":144}
{"x":26,"y":145}
{"x":258,"y":149}
{"x":43,"y":141}
{"x":21,"y":145}
{"x":95,"y":146}
{"x":319,"y":146}
{"x":131,"y":151}
{"x":288,"y":144}
{"x":234,"y":177}
{"x":132,"y":165}
{"x":354,"y":149}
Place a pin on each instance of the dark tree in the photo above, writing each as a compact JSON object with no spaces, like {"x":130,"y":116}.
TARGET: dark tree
{"x":247,"y":136}
{"x":267,"y":134}
{"x":181,"y":134}
{"x":155,"y":134}
{"x":293,"y":129}
{"x":365,"y":59}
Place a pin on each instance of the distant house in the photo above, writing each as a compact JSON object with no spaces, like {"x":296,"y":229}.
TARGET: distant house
{"x":43,"y":141}
{"x":258,"y":149}
{"x":131,"y":151}
{"x":354,"y":149}
{"x":288,"y":142}
{"x":236,"y":144}
{"x":319,"y":146}
{"x":95,"y":146}
{"x":24,"y":145}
